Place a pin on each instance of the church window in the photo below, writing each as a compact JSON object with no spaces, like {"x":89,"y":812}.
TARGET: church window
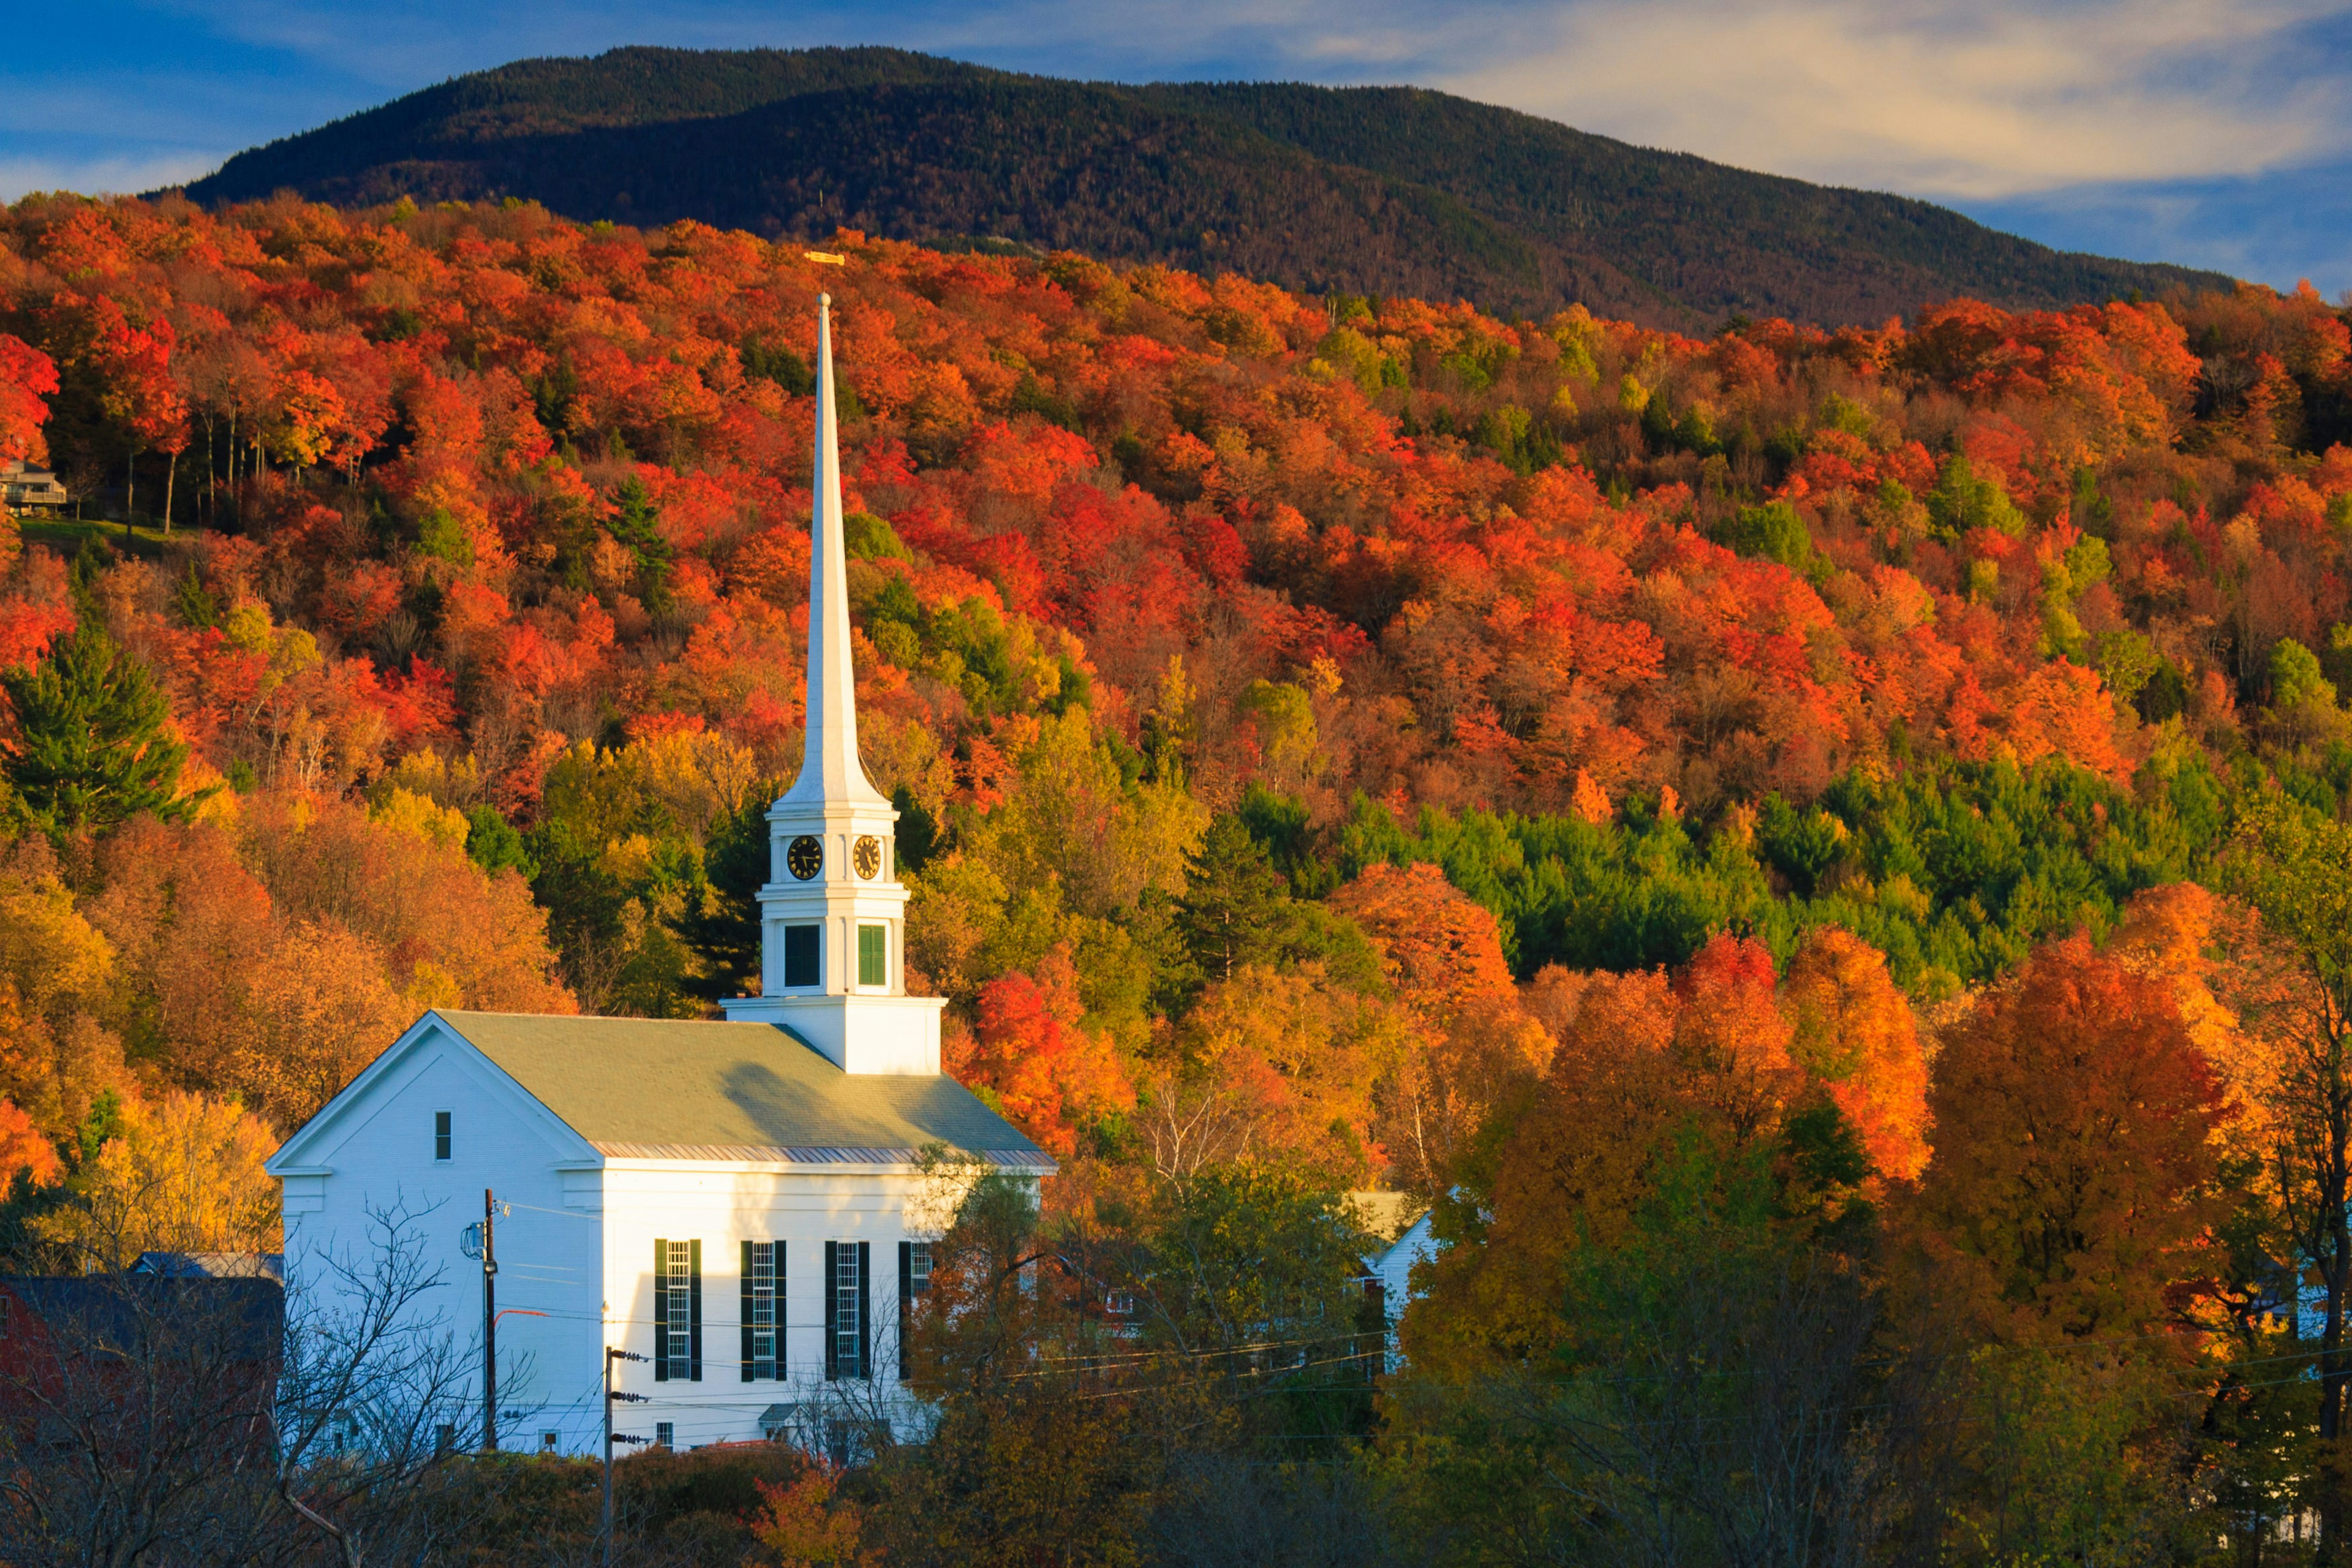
{"x":678,"y":1310}
{"x":914,"y":1279}
{"x":847,"y":1300}
{"x":440,"y":1135}
{"x":665,"y":1434}
{"x":874,"y":955}
{"x":800,"y":967}
{"x":764,"y":1280}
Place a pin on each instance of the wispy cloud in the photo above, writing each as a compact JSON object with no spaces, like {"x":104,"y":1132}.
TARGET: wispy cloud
{"x":1982,"y":101}
{"x":2276,"y":227}
{"x":103,"y":175}
{"x":1986,"y":98}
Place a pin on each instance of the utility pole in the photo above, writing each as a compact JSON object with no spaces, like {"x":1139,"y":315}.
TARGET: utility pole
{"x":489,"y":1328}
{"x":612,"y":1355}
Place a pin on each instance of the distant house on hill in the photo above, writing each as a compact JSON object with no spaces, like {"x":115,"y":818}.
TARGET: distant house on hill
{"x":732,"y":1215}
{"x":1401,"y":1227}
{"x":25,"y":488}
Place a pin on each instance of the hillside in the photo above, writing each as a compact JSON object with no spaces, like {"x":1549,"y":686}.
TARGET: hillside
{"x":479,"y":486}
{"x":1385,"y":191}
{"x":1850,"y":830}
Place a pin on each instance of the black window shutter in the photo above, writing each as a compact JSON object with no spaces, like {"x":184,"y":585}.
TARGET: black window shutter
{"x":693,"y":1323}
{"x":906,"y":1301}
{"x":831,"y":1309}
{"x":776,"y":1272}
{"x":864,"y":1309}
{"x":749,"y":1311}
{"x":661,"y":1311}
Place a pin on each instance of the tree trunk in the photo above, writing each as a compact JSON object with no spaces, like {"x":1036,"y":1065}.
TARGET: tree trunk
{"x":129,"y":490}
{"x":171,"y":481}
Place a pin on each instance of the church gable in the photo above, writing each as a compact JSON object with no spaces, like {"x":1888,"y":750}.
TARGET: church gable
{"x":431,"y":1068}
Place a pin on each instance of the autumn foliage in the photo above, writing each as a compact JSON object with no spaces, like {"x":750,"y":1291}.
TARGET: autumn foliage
{"x":2075,"y":1154}
{"x":1371,"y":506}
{"x":1032,"y":1052}
{"x":1723,"y":1050}
{"x":1785,"y":839}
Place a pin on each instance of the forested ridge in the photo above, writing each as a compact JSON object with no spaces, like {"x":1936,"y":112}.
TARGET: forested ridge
{"x":1368,"y":190}
{"x":1823,"y":854}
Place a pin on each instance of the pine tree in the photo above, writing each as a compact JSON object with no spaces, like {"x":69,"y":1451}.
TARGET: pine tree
{"x":1236,"y":906}
{"x":722,"y":921}
{"x":636,"y":523}
{"x":90,"y":750}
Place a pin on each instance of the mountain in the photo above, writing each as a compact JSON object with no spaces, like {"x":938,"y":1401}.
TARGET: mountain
{"x":1381,"y":191}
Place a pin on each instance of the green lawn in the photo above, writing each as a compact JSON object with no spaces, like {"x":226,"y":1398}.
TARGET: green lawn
{"x":66,"y":534}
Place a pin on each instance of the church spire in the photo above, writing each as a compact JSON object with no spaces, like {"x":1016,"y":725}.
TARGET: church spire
{"x":830,"y":770}
{"x":833,"y":913}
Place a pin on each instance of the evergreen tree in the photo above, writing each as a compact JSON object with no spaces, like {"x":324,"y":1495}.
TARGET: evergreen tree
{"x":1281,"y":823}
{"x":495,"y":844}
{"x":636,"y":523}
{"x":721,"y":922}
{"x":90,"y":750}
{"x":1236,"y":906}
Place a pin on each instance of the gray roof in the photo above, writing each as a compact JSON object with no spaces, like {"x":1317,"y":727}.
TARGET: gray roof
{"x":680,"y":1089}
{"x":213,"y":1265}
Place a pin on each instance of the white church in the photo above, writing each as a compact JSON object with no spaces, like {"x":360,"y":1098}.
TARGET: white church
{"x":741,"y":1203}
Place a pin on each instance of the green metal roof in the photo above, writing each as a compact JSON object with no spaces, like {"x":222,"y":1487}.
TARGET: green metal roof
{"x":657,"y":1087}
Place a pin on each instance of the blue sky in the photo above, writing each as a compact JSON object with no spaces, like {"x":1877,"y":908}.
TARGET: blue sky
{"x":2193,"y":131}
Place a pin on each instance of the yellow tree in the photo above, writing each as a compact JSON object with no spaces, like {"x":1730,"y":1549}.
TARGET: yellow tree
{"x":181,"y":1174}
{"x":57,"y":975}
{"x":1472,"y":1045}
{"x":1279,"y":1067}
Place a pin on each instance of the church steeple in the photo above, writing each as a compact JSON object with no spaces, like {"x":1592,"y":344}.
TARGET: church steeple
{"x":833,"y":913}
{"x":830,"y":770}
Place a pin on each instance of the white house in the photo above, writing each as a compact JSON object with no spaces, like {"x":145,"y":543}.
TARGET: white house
{"x":24,"y":487}
{"x":743,"y":1203}
{"x":1393,"y":1271}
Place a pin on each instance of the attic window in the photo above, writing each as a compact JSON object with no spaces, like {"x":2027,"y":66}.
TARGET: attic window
{"x":440,"y":1136}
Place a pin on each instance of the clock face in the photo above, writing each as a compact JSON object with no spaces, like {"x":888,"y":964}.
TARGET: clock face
{"x":866,"y":856}
{"x":804,"y":857}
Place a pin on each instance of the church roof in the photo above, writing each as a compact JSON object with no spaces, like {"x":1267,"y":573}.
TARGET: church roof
{"x":677,"y":1090}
